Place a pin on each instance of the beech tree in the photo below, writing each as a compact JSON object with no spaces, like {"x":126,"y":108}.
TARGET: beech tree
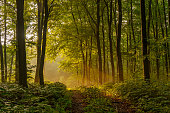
{"x":20,"y":38}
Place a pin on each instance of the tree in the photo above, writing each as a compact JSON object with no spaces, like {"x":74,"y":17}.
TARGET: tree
{"x":2,"y":61}
{"x":144,"y":41}
{"x":118,"y":48}
{"x":98,"y":41}
{"x":21,"y":44}
{"x":44,"y":43}
{"x":5,"y":59}
{"x":39,"y":40}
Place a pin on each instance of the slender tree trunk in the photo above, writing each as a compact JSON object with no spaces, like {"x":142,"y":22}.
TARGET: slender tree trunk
{"x":119,"y":57}
{"x":5,"y":56}
{"x":144,"y":41}
{"x":41,"y":75}
{"x":21,"y":44}
{"x":133,"y":33}
{"x":104,"y":53}
{"x":10,"y":74}
{"x":86,"y":68}
{"x":157,"y":56}
{"x":98,"y":41}
{"x":148,"y":30}
{"x":109,"y":18}
{"x":40,"y":27}
{"x":166,"y":44}
{"x":90,"y":60}
{"x":2,"y":60}
{"x":169,"y":28}
{"x":127,"y":60}
{"x":169,"y":11}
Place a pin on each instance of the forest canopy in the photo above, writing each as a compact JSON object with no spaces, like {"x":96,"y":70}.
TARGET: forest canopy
{"x":98,"y":41}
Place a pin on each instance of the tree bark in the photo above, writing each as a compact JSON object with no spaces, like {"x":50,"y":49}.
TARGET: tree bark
{"x":5,"y":56}
{"x":133,"y":34}
{"x":10,"y":73}
{"x":2,"y":61}
{"x":21,"y":44}
{"x":104,"y":53}
{"x":98,"y":42}
{"x":148,"y":30}
{"x":166,"y":44}
{"x":39,"y":40}
{"x":42,"y":58}
{"x":157,"y":56}
{"x":118,"y":48}
{"x":144,"y":41}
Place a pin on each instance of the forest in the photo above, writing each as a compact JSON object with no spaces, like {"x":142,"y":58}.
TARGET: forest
{"x":84,"y":56}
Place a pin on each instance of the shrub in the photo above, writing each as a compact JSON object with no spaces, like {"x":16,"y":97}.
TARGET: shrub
{"x":34,"y":99}
{"x":100,"y":105}
{"x":150,"y":97}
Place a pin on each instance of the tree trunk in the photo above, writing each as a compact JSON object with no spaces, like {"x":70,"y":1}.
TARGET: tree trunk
{"x":90,"y":60}
{"x":5,"y":61}
{"x":157,"y":56}
{"x":40,"y":27}
{"x":10,"y":74}
{"x":98,"y":42}
{"x":109,"y":18}
{"x":133,"y":33}
{"x":166,"y":44}
{"x":169,"y":28}
{"x":2,"y":60}
{"x":119,"y":58}
{"x":148,"y":30}
{"x":21,"y":44}
{"x":104,"y":55}
{"x":144,"y":41}
{"x":44,"y":43}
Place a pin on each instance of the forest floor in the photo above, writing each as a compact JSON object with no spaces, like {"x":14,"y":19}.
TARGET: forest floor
{"x":78,"y":103}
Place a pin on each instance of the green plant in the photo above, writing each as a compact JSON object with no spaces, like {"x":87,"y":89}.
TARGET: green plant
{"x":100,"y":105}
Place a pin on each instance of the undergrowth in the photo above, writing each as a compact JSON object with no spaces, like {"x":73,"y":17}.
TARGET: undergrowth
{"x":153,"y":97}
{"x":52,"y":98}
{"x":96,"y":102}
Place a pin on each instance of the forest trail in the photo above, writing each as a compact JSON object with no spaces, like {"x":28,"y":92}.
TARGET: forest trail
{"x":78,"y":104}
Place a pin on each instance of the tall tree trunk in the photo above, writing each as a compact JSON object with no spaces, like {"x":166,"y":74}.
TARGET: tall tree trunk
{"x":148,"y":30}
{"x":40,"y":27}
{"x":110,"y":20}
{"x":21,"y":44}
{"x":110,"y":40}
{"x":5,"y":61}
{"x":119,"y":57}
{"x":133,"y":33}
{"x":169,"y":11}
{"x":157,"y":56}
{"x":41,"y":75}
{"x":10,"y":73}
{"x":127,"y":60}
{"x":104,"y":53}
{"x":90,"y":60}
{"x":169,"y":28}
{"x":166,"y":44}
{"x":86,"y":68}
{"x":2,"y":59}
{"x":144,"y":41}
{"x":98,"y":42}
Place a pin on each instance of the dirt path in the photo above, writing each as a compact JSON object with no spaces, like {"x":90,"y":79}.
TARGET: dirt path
{"x":77,"y":102}
{"x":78,"y":105}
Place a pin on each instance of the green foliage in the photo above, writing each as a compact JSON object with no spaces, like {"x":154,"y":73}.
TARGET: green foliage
{"x":96,"y":102}
{"x":91,"y":92}
{"x":37,"y":99}
{"x":149,"y":97}
{"x":100,"y":105}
